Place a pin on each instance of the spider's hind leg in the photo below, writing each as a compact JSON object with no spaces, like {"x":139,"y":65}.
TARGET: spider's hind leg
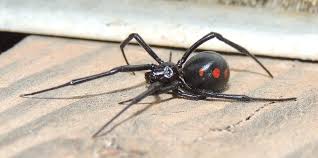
{"x":187,"y":95}
{"x":240,"y":97}
{"x":218,"y":36}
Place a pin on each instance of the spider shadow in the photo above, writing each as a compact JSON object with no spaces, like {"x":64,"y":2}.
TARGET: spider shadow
{"x":248,"y":71}
{"x":89,"y":95}
{"x":149,"y":105}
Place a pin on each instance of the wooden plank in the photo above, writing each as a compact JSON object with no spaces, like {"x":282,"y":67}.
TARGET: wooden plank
{"x":60,"y":123}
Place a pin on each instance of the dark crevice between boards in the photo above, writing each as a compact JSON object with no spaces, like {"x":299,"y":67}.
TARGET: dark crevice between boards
{"x":9,"y":39}
{"x":229,"y":128}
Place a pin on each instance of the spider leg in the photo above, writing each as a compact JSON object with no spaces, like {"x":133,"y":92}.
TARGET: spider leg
{"x":158,"y":92}
{"x":187,"y":95}
{"x":142,"y":43}
{"x":239,"y":97}
{"x":153,"y":88}
{"x":126,"y":68}
{"x":170,"y":56}
{"x":223,"y":39}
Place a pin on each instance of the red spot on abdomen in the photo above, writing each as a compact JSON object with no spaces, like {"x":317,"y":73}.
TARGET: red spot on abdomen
{"x":216,"y":73}
{"x":201,"y":72}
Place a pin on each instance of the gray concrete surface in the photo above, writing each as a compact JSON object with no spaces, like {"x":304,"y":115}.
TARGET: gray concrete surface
{"x":60,"y":123}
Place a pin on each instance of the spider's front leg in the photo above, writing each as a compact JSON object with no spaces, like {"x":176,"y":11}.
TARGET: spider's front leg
{"x":126,"y":68}
{"x":142,"y":43}
{"x":154,"y":88}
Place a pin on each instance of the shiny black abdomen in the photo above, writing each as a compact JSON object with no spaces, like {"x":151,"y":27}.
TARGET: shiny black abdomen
{"x":207,"y":70}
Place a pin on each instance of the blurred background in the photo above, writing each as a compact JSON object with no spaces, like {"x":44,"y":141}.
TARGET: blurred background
{"x":276,"y":28}
{"x":310,"y":6}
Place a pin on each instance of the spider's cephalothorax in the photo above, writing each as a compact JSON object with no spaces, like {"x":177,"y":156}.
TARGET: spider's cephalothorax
{"x":206,"y":70}
{"x":203,"y":76}
{"x":166,"y":72}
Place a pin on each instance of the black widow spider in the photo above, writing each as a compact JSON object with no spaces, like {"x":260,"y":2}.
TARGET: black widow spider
{"x":203,"y":76}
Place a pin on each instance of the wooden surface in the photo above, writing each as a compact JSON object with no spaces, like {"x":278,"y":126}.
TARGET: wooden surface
{"x":60,"y":123}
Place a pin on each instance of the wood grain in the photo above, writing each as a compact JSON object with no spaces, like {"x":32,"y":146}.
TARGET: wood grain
{"x":60,"y":123}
